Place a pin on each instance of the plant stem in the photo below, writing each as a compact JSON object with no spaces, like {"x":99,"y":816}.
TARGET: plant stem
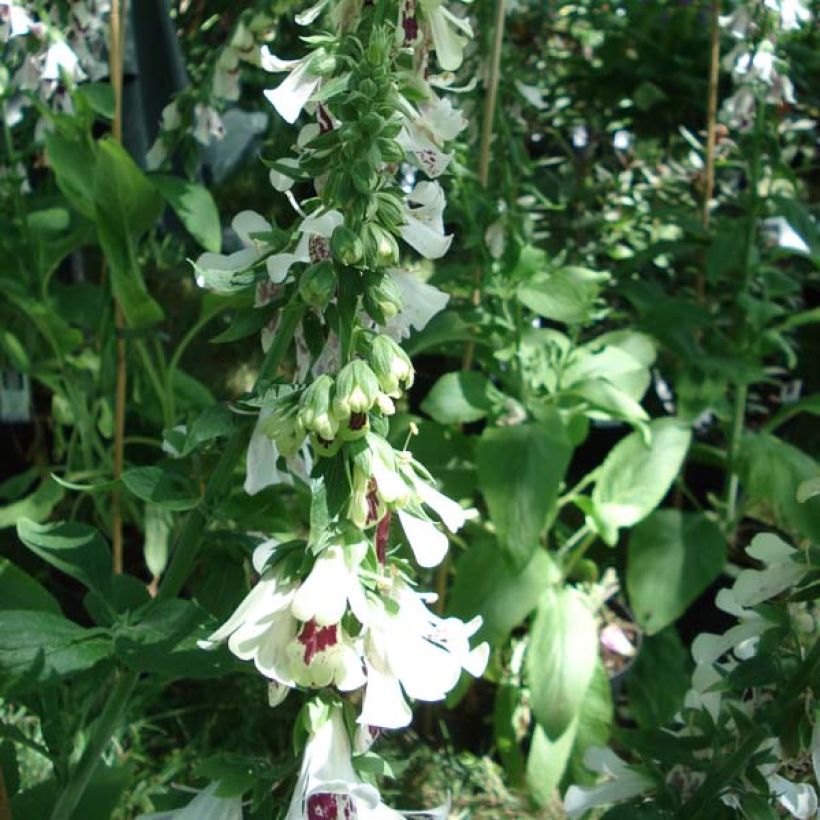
{"x":711,"y":135}
{"x":490,"y":100}
{"x":733,"y":485}
{"x":101,"y":735}
{"x":579,"y":553}
{"x":115,"y":76}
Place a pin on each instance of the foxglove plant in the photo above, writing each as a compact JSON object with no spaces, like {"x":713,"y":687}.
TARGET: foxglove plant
{"x":339,"y":612}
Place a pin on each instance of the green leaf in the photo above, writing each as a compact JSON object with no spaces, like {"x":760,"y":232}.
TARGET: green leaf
{"x":547,"y":761}
{"x":485,"y":585}
{"x":194,"y":206}
{"x":561,"y":659}
{"x":72,"y":155}
{"x":565,"y":295}
{"x":9,"y":768}
{"x":100,"y":97}
{"x":18,"y":590}
{"x":162,"y":485}
{"x":520,"y":470}
{"x":76,"y":549}
{"x":461,"y":397}
{"x":126,"y":205}
{"x":37,"y":506}
{"x":672,"y":558}
{"x":37,"y":648}
{"x":593,"y":724}
{"x":635,"y":477}
{"x":505,"y":717}
{"x":659,"y":679}
{"x":771,"y":472}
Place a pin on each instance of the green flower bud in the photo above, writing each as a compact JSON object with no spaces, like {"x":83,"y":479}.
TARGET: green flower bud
{"x":345,"y":246}
{"x":283,"y":424}
{"x":322,"y":63}
{"x":391,"y":365}
{"x":382,"y":298}
{"x":356,"y":390}
{"x":380,"y":247}
{"x":318,"y":283}
{"x":365,"y":177}
{"x":390,"y":150}
{"x":315,"y":409}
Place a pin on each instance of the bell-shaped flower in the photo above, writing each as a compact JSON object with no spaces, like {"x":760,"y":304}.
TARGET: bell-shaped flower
{"x":424,"y":133}
{"x":423,"y":228}
{"x":623,"y":783}
{"x":792,"y":13}
{"x":207,"y":805}
{"x":304,"y":76}
{"x":332,"y":585}
{"x":420,"y":302}
{"x":208,"y":125}
{"x":313,"y":244}
{"x":284,"y":649}
{"x":328,"y":787}
{"x":409,"y":651}
{"x":262,"y":460}
{"x":449,"y":33}
{"x":226,"y":273}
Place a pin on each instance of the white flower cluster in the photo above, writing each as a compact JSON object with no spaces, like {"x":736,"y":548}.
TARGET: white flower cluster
{"x":757,"y":69}
{"x":47,"y":55}
{"x":715,"y":657}
{"x":341,"y":613}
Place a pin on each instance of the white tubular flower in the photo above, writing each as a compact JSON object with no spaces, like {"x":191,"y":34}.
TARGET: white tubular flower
{"x":294,"y":92}
{"x":313,"y":245}
{"x":410,"y":650}
{"x":328,"y":788}
{"x":61,"y":61}
{"x":333,"y":583}
{"x":207,"y":124}
{"x":288,"y":651}
{"x":221,"y":272}
{"x":420,"y":302}
{"x":207,"y":805}
{"x":623,"y":783}
{"x":423,"y":134}
{"x":424,"y":224}
{"x":792,"y":13}
{"x":798,"y":799}
{"x":449,"y":33}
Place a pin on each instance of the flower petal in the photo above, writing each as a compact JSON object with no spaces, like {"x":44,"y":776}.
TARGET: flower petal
{"x":428,"y":544}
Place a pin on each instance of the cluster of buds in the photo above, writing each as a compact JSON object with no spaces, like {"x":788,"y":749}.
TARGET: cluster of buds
{"x":758,"y":71}
{"x":339,"y":612}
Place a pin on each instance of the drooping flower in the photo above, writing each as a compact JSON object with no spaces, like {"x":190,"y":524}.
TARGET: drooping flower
{"x":424,"y":223}
{"x":449,"y":33}
{"x":425,"y":131}
{"x":409,"y":651}
{"x":420,"y":302}
{"x":313,"y":244}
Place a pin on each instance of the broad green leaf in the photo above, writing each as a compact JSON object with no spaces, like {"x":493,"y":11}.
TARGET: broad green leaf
{"x":100,"y":97}
{"x":42,"y":647}
{"x":444,"y":327}
{"x":607,"y":400}
{"x":18,"y":590}
{"x":771,"y":472}
{"x":547,"y":761}
{"x":808,"y":489}
{"x":76,"y":549}
{"x":37,"y":506}
{"x":561,"y":659}
{"x":565,"y":295}
{"x":161,"y":485}
{"x":593,"y":723}
{"x":194,"y":206}
{"x":461,"y":397}
{"x":520,"y":469}
{"x":635,"y":476}
{"x":72,"y":155}
{"x":213,"y":422}
{"x":485,"y":585}
{"x":672,"y":558}
{"x":505,"y":717}
{"x":659,"y":679}
{"x":15,"y":352}
{"x":126,"y":205}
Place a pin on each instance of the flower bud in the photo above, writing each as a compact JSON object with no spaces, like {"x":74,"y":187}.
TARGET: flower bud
{"x":382,"y":298}
{"x":315,"y":409}
{"x":345,"y":246}
{"x":322,"y":63}
{"x":391,"y":365}
{"x":356,"y":390}
{"x":390,"y":150}
{"x":283,"y":425}
{"x":318,"y":284}
{"x":380,"y":246}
